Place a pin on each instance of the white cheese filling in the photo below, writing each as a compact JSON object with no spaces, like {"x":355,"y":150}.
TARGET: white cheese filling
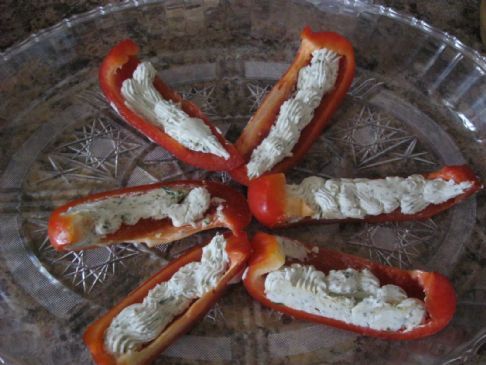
{"x":141,"y":323}
{"x":314,"y":81}
{"x":106,"y":216}
{"x":357,"y":198}
{"x":352,"y":296}
{"x":142,"y":97}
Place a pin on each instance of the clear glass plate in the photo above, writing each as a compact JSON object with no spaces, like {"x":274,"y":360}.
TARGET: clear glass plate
{"x":418,"y":102}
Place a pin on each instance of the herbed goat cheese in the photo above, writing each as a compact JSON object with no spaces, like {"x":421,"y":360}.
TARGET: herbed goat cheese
{"x":314,"y":81}
{"x":351,"y":296}
{"x":142,"y":97}
{"x":357,"y":198}
{"x":106,"y":216}
{"x":143,"y":322}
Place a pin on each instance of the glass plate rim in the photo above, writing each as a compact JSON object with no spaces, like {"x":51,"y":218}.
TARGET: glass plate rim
{"x":361,"y":6}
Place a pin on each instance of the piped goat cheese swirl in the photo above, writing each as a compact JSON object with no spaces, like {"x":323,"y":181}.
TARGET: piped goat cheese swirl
{"x":314,"y":81}
{"x":142,"y":97}
{"x":106,"y":216}
{"x":141,"y":323}
{"x":357,"y":198}
{"x":349,"y":295}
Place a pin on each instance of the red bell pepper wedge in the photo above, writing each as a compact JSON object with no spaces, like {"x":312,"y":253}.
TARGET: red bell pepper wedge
{"x":118,"y":66}
{"x":238,"y":250}
{"x":271,"y":205}
{"x":64,"y":232}
{"x":261,"y":122}
{"x":433,"y":288}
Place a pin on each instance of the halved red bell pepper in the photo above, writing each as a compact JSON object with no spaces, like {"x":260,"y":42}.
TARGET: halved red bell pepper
{"x":261,"y":122}
{"x":234,"y":214}
{"x":273,"y":207}
{"x":433,"y":288}
{"x":118,"y":66}
{"x":238,"y":250}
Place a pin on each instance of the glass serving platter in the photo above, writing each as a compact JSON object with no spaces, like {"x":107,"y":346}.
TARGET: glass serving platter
{"x":418,"y":102}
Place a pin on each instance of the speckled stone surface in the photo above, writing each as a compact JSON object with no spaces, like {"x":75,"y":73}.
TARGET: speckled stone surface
{"x":19,"y":19}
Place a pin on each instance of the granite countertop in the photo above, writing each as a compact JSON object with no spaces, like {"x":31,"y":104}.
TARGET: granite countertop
{"x":20,"y":19}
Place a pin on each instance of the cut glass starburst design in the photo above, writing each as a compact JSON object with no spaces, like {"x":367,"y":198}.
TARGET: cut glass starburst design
{"x":257,"y":93}
{"x":92,"y":152}
{"x":85,"y":268}
{"x":46,"y":251}
{"x":203,"y":98}
{"x":397,"y":244}
{"x":373,"y":140}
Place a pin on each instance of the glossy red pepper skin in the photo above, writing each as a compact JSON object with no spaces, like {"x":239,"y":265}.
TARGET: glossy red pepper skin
{"x":238,"y":250}
{"x":433,"y":288}
{"x":272,"y":207}
{"x":261,"y":122}
{"x":235,"y":215}
{"x":118,"y":66}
